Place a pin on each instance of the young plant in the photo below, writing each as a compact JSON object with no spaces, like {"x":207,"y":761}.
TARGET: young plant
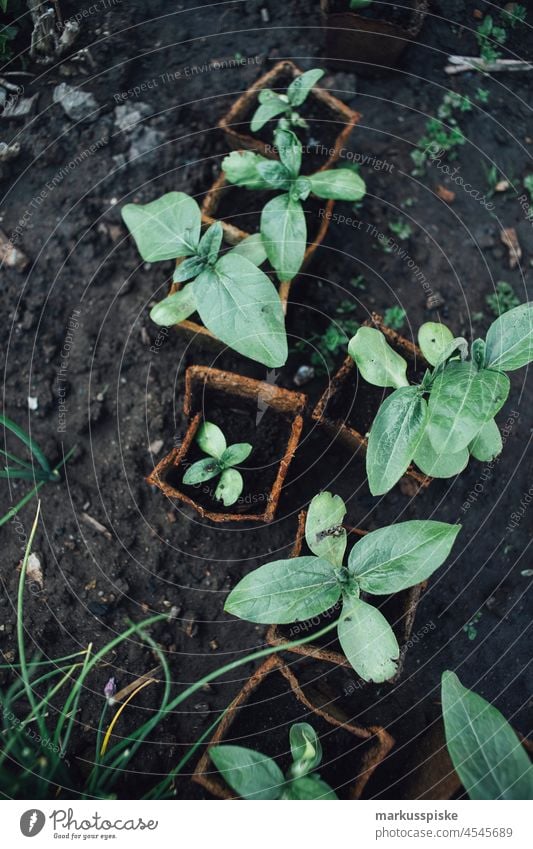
{"x":448,"y":416}
{"x":16,"y":468}
{"x":443,"y":133}
{"x":283,"y":224}
{"x":382,"y":562}
{"x":502,"y":299}
{"x":272,"y":104}
{"x":485,"y":751}
{"x":234,"y":298}
{"x":394,"y":317}
{"x":220,"y":461}
{"x":256,"y":776}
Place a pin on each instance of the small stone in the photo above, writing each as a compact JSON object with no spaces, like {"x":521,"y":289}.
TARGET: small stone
{"x":34,"y":572}
{"x":128,"y":115}
{"x":265,"y":16}
{"x":33,"y":402}
{"x":155,"y":446}
{"x":303,"y":375}
{"x":188,"y":623}
{"x":78,"y":105}
{"x":502,"y":186}
{"x":435,"y":301}
{"x":9,"y":151}
{"x":213,"y":645}
{"x":10,"y":255}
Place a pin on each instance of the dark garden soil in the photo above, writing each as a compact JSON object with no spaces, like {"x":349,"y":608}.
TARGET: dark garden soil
{"x":398,"y":14}
{"x":77,"y":335}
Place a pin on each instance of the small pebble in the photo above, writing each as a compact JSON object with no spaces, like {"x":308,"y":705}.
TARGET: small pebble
{"x":303,"y":375}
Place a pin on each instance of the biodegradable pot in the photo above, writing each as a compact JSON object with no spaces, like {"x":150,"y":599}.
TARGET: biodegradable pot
{"x":349,"y":404}
{"x":355,"y":42}
{"x":221,"y":201}
{"x":400,"y":610}
{"x":271,"y":700}
{"x":199,"y":332}
{"x":236,"y":404}
{"x":236,"y":122}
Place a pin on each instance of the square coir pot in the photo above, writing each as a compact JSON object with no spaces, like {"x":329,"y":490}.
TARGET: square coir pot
{"x":329,"y":119}
{"x":241,"y":208}
{"x":349,"y":405}
{"x":247,"y":410}
{"x":399,"y":609}
{"x":260,"y":716}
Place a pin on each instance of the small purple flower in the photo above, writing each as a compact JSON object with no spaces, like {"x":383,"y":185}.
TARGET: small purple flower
{"x":110,"y":688}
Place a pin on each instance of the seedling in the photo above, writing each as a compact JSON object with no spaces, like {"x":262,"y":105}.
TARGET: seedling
{"x":272,"y":104}
{"x":464,"y":392}
{"x":485,"y":751}
{"x":283,"y":224}
{"x":382,"y":562}
{"x":443,"y":133}
{"x":235,"y":299}
{"x":16,"y":468}
{"x":221,"y":461}
{"x":487,"y":36}
{"x":394,"y":317}
{"x":327,"y":347}
{"x":401,"y":228}
{"x":502,"y":299}
{"x":256,"y":776}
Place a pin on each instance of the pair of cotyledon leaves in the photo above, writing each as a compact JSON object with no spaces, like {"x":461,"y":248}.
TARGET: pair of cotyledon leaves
{"x":256,"y":776}
{"x":457,"y":420}
{"x":283,"y":106}
{"x":383,"y":562}
{"x":220,"y":462}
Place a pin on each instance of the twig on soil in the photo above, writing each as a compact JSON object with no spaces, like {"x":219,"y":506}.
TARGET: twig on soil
{"x":96,"y":525}
{"x":125,"y":692}
{"x":459,"y":64}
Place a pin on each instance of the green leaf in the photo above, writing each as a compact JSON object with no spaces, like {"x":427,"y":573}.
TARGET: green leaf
{"x":305,"y":748}
{"x":395,"y":435}
{"x":368,"y":641}
{"x":191,"y":267}
{"x":438,"y":465}
{"x":462,"y":399}
{"x":240,"y":168}
{"x":290,"y":150}
{"x":251,"y":248}
{"x":28,"y":442}
{"x":433,"y":339}
{"x":285,"y":591}
{"x":240,"y":305}
{"x":324,"y":533}
{"x":284,"y":232}
{"x":376,"y":360}
{"x":211,"y":440}
{"x":267,"y":111}
{"x":510,"y":339}
{"x":275,"y":175}
{"x":202,"y":470}
{"x":485,"y":751}
{"x":392,"y":559}
{"x":308,"y":787}
{"x":338,"y":184}
{"x":300,"y":87}
{"x":235,"y":454}
{"x":175,"y":308}
{"x":229,"y":487}
{"x":210,"y":242}
{"x":488,"y":443}
{"x":251,"y":774}
{"x":478,"y":353}
{"x":458,"y":347}
{"x":166,"y":228}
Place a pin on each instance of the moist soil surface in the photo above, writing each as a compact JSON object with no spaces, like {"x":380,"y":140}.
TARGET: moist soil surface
{"x":79,"y":343}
